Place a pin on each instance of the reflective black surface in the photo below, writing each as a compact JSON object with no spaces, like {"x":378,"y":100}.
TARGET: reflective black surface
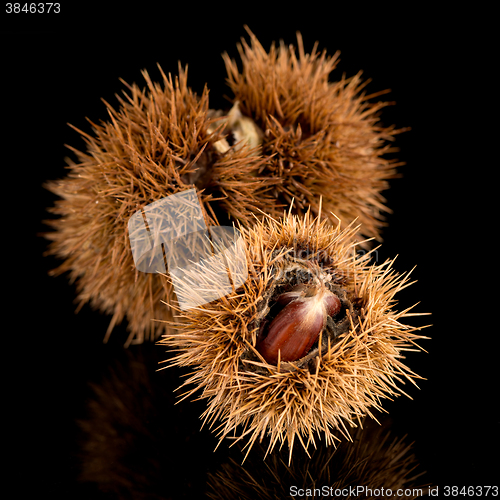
{"x":55,"y":360}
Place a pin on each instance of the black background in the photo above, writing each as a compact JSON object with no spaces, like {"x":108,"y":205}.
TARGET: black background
{"x":56,"y":70}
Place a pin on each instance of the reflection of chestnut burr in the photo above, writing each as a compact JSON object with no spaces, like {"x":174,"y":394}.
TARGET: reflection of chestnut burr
{"x":377,"y":460}
{"x":295,"y":329}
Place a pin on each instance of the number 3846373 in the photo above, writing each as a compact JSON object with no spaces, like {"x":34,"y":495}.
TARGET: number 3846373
{"x":32,"y":8}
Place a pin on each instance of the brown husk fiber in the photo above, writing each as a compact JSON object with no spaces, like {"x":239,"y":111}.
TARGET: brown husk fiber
{"x":346,"y":375}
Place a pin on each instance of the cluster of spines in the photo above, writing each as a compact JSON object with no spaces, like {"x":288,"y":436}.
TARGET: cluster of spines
{"x":159,"y":142}
{"x":322,"y":137}
{"x":251,"y":398}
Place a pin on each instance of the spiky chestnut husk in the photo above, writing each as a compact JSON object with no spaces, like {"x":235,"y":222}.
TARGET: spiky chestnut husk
{"x":318,"y":139}
{"x":323,"y":139}
{"x":356,"y":363}
{"x":374,"y":460}
{"x":162,"y":140}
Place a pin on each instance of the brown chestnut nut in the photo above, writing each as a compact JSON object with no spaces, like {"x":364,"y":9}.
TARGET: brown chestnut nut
{"x":296,"y":328}
{"x":296,"y":292}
